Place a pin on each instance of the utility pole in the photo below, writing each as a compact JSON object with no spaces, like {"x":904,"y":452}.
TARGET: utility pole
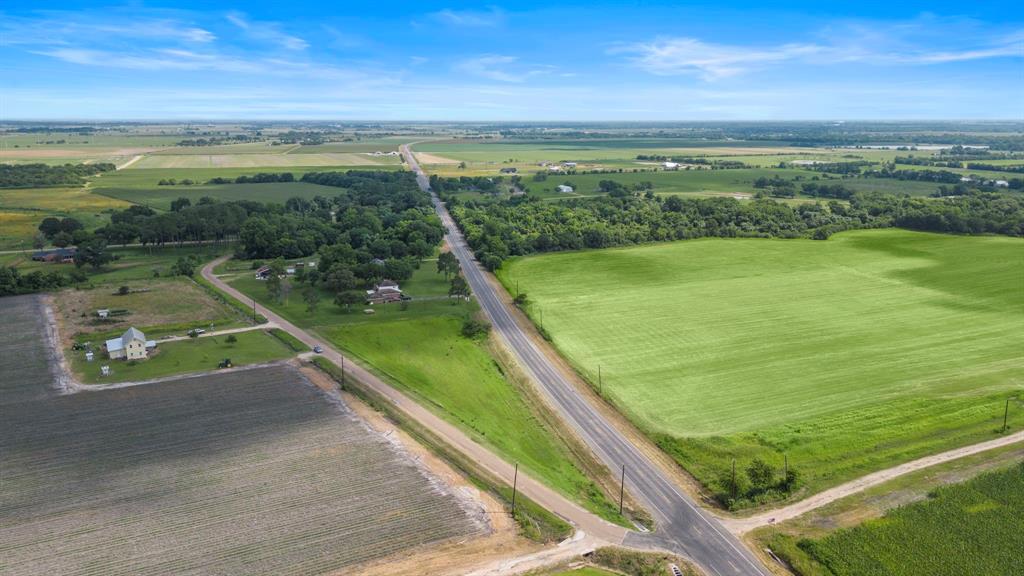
{"x":515,"y":482}
{"x":1006,"y":412}
{"x":342,"y":371}
{"x":600,"y":385}
{"x":622,"y":488}
{"x":254,"y":310}
{"x":785,"y":465}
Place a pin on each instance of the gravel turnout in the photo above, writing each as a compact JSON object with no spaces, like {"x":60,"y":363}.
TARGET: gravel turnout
{"x":251,"y":472}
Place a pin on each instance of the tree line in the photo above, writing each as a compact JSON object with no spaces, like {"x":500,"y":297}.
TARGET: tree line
{"x":521,"y":226}
{"x":44,"y":175}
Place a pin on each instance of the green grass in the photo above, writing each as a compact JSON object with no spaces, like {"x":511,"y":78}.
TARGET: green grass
{"x":288,"y":340}
{"x":131,"y":263}
{"x":584,"y":571}
{"x":421,"y":351}
{"x":969,"y":528}
{"x":181,"y":357}
{"x":847,"y":355}
{"x":23,"y":209}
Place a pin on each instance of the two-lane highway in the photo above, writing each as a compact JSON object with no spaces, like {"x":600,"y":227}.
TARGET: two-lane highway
{"x":681,"y":525}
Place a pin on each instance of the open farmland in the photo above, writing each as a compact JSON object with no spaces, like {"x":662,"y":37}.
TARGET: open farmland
{"x":26,"y":364}
{"x":256,"y":160}
{"x":421,"y":351}
{"x":254,"y":472}
{"x":972,"y":528}
{"x":846,"y":355}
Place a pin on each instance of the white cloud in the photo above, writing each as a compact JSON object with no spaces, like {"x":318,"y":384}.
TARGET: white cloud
{"x":672,"y":56}
{"x":501,"y":68}
{"x":267,"y":31}
{"x":470,"y":18}
{"x":906,"y":43}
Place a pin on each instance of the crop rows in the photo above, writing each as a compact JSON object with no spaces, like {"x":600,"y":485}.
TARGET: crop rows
{"x":248,"y":472}
{"x":24,"y":356}
{"x":971,"y":528}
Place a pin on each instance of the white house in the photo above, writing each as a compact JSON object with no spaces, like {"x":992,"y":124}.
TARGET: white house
{"x":670,"y":165}
{"x":554,"y":168}
{"x":1001,"y":184}
{"x":132,"y":345}
{"x":564,"y":189}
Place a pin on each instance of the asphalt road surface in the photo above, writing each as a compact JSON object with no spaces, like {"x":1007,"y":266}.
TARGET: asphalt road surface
{"x":681,"y":525}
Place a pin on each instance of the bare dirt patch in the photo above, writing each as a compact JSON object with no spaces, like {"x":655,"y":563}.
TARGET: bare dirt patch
{"x":453,"y":557}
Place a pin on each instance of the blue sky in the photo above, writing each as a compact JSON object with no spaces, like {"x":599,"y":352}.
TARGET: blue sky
{"x":574,"y":61}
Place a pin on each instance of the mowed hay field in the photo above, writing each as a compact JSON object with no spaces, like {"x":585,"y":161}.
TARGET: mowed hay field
{"x":251,"y":472}
{"x":846,"y":355}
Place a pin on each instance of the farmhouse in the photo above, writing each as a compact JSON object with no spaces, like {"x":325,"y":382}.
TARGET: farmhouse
{"x":132,"y":345}
{"x":386,"y":291}
{"x":262,"y":272}
{"x":63,"y":255}
{"x":565,"y":189}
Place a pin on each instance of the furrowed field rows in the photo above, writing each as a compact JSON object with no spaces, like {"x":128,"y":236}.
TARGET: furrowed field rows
{"x":23,"y":352}
{"x":246,"y":472}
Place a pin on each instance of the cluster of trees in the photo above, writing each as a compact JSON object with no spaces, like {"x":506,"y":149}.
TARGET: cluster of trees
{"x":173,"y":182}
{"x":942,"y":176}
{"x":1019,"y":169}
{"x":12,"y":281}
{"x":522,"y":226}
{"x":852,"y":167}
{"x":820,"y":190}
{"x":43,"y":175}
{"x":714,"y":164}
{"x":261,"y":178}
{"x":219,"y":140}
{"x":482,"y":184}
{"x":776,"y":186}
{"x":758,"y":483}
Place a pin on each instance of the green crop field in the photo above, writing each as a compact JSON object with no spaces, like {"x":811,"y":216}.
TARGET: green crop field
{"x":846,"y":355}
{"x":160,"y":197}
{"x":972,"y":528}
{"x":275,"y":159}
{"x":421,"y":350}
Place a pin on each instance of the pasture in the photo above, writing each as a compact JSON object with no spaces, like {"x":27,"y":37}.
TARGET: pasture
{"x":22,"y":209}
{"x":252,"y":472}
{"x":175,"y":300}
{"x":421,"y":351}
{"x":969,"y":528}
{"x":846,"y":355}
{"x":160,"y":197}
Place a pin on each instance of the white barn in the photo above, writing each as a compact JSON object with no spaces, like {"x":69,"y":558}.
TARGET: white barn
{"x":132,"y":345}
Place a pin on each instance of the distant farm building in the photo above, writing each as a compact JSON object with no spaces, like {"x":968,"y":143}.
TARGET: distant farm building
{"x":670,"y":165}
{"x":132,"y":345}
{"x":554,"y":168}
{"x":568,"y":164}
{"x":103,"y":312}
{"x":262,"y":272}
{"x":564,"y":189}
{"x":1001,"y":184}
{"x":64,"y":255}
{"x":383,"y":293}
{"x":966,"y":179}
{"x":508,"y":170}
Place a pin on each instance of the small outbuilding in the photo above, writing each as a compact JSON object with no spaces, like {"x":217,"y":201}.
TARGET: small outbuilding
{"x":103,"y":312}
{"x":565,"y":189}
